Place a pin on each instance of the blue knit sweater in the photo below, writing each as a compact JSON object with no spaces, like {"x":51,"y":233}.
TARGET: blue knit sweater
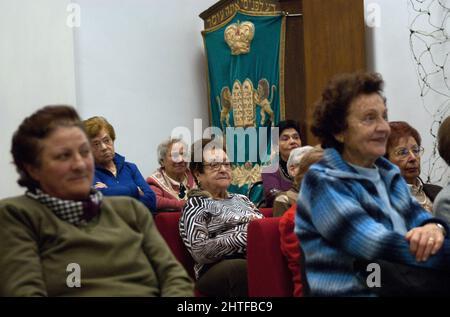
{"x":340,"y":219}
{"x":126,"y":182}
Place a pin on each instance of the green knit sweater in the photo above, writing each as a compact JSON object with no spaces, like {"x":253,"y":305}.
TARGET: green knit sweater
{"x":120,"y":252}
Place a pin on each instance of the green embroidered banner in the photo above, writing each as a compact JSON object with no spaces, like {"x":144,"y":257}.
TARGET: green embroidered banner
{"x":245,"y":57}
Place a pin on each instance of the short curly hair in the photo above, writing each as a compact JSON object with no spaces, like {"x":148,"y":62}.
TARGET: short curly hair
{"x":26,"y":144}
{"x":96,"y":124}
{"x":443,"y":139}
{"x":401,"y":129}
{"x":331,"y":111}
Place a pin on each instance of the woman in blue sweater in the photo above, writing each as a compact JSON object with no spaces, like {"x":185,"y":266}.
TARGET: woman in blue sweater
{"x":354,"y":207}
{"x":113,"y":175}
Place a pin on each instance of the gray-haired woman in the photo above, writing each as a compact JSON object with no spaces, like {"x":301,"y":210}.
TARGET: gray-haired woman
{"x":441,"y":207}
{"x":173,"y":179}
{"x":284,"y":200}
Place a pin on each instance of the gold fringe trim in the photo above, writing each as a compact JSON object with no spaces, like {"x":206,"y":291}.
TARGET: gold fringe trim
{"x":251,"y":13}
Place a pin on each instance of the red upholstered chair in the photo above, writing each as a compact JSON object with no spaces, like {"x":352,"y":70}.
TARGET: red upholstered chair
{"x":268,"y":272}
{"x":267,"y":212}
{"x":167,"y":224}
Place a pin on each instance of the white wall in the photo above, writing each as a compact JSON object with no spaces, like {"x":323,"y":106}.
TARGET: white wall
{"x":141,"y":65}
{"x":389,"y":53}
{"x":36,"y":68}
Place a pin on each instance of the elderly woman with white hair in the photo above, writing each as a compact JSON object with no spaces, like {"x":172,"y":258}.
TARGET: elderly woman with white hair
{"x":173,"y":179}
{"x":284,"y":200}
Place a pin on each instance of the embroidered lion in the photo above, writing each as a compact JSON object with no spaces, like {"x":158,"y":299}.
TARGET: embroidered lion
{"x":261,"y":98}
{"x":224,"y":106}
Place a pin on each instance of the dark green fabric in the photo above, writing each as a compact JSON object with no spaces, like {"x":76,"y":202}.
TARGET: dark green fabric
{"x":261,"y":62}
{"x":260,"y":67}
{"x":120,"y":252}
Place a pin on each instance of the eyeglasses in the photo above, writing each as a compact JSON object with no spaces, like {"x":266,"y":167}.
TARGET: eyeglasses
{"x":215,"y":166}
{"x":403,"y":152}
{"x":98,"y":144}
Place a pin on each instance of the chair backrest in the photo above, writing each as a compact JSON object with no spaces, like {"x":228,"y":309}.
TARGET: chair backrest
{"x":267,"y":212}
{"x":167,"y":224}
{"x":256,"y":194}
{"x":268,"y":271}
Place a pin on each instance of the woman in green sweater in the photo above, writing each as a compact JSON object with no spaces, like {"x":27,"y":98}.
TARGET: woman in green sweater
{"x":63,"y":238}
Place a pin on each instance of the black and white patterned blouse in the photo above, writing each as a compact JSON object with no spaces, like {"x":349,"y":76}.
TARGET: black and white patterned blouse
{"x":216,"y":229}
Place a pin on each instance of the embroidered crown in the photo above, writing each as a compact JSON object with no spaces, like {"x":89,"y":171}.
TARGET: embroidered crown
{"x":239,"y":36}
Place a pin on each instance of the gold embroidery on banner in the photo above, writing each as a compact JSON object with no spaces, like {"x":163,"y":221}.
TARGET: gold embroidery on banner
{"x":236,"y":103}
{"x":245,"y":174}
{"x":239,"y":36}
{"x":261,"y":99}
{"x":242,"y":101}
{"x":248,"y":107}
{"x":255,"y":7}
{"x":242,"y":104}
{"x":225,"y":106}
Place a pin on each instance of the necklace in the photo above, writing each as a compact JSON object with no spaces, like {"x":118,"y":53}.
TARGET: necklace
{"x":421,"y":197}
{"x":283,"y":168}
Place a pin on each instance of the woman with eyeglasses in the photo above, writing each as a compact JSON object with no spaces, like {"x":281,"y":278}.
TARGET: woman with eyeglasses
{"x":213,"y":224}
{"x":172,"y":180}
{"x":361,"y":231}
{"x":113,"y":175}
{"x":404,"y":150}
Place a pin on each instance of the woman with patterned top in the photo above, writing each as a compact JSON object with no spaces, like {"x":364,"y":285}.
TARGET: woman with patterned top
{"x":213,"y":224}
{"x":404,"y":150}
{"x":172,"y":180}
{"x":63,"y":238}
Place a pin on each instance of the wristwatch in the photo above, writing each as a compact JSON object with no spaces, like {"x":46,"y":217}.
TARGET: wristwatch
{"x":444,"y":232}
